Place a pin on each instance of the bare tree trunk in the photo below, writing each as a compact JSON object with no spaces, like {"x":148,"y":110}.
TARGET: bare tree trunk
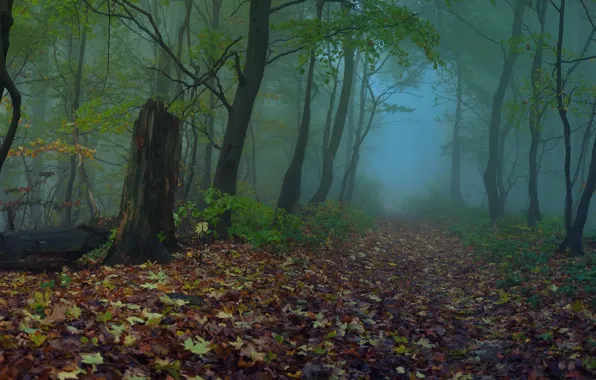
{"x":289,"y":195}
{"x":249,"y":82}
{"x":566,"y":126}
{"x":574,"y":237}
{"x":208,"y":158}
{"x":456,"y":196}
{"x":495,"y":209}
{"x":76,"y":103}
{"x":340,"y":119}
{"x":147,"y":206}
{"x":581,"y":159}
{"x":193,"y":160}
{"x":6,"y":21}
{"x":534,"y":214}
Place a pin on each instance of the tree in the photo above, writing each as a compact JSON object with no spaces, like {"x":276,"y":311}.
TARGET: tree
{"x":340,"y":118}
{"x":290,"y":189}
{"x":240,"y":110}
{"x":6,"y":83}
{"x":495,"y":205}
{"x":534,"y":121}
{"x":455,"y":187}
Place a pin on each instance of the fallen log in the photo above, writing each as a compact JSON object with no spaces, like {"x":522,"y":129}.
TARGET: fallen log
{"x":48,"y":249}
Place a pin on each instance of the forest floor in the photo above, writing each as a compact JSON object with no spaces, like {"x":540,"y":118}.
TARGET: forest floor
{"x":405,"y":301}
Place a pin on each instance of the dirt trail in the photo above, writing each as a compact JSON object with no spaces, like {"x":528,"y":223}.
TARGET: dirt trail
{"x":405,"y":301}
{"x":436,"y":290}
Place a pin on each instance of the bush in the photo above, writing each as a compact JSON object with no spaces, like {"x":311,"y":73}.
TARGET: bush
{"x":332,"y":221}
{"x":265,"y":227}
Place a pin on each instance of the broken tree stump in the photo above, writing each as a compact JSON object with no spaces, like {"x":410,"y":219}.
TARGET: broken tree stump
{"x":147,"y":229}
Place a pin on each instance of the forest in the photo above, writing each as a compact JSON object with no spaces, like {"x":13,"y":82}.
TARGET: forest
{"x":297,"y":189}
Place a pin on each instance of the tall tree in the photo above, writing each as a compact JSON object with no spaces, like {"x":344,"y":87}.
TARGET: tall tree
{"x":455,"y":188}
{"x":6,"y":83}
{"x":240,"y":110}
{"x":290,"y":188}
{"x":534,"y":121}
{"x":495,"y":205}
{"x":340,"y":117}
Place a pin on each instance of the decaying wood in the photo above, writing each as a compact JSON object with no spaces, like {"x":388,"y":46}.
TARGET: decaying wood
{"x":48,"y":249}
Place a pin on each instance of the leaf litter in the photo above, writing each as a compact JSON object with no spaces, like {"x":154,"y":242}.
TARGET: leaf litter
{"x":405,"y":301}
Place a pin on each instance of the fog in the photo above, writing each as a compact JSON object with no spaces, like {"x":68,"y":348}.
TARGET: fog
{"x":69,"y":158}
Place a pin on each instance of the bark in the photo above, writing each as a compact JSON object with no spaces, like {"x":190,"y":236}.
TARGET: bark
{"x":495,"y":206}
{"x":574,"y":237}
{"x":208,"y":158}
{"x":193,"y":161}
{"x":289,"y":195}
{"x":566,"y":125}
{"x":456,"y":196}
{"x":253,"y":160}
{"x":147,"y":206}
{"x":48,"y":249}
{"x":348,"y":182}
{"x":534,"y":214}
{"x":581,"y":159}
{"x":349,"y":178}
{"x":249,"y":82}
{"x":340,"y":120}
{"x":504,"y":132}
{"x":6,"y":83}
{"x":333,"y":95}
{"x":76,"y":103}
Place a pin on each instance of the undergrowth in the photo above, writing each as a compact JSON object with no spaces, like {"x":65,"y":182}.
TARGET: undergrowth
{"x":526,"y":257}
{"x":263,"y":226}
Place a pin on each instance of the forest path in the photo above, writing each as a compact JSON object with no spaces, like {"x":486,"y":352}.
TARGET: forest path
{"x":448,"y":304}
{"x":406,"y":301}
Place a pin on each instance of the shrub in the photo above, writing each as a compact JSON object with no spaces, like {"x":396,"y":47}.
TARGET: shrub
{"x":265,"y":227}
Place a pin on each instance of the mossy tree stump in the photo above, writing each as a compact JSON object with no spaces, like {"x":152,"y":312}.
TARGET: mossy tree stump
{"x":147,"y":230}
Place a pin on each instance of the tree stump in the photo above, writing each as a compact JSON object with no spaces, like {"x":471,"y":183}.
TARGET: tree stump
{"x":147,"y":230}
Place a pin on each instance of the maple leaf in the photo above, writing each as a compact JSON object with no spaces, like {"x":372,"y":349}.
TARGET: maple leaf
{"x":199,"y":348}
{"x":238,"y":343}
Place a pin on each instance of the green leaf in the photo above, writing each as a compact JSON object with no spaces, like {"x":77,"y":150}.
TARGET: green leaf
{"x":95,"y":358}
{"x":199,"y":348}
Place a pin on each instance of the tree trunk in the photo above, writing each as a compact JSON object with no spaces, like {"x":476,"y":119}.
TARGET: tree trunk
{"x":566,"y":125}
{"x":581,"y":159}
{"x":340,"y":120}
{"x":226,"y":173}
{"x":208,"y":158}
{"x":456,"y":196}
{"x":147,"y":206}
{"x":6,"y":21}
{"x":289,"y":195}
{"x":495,"y":209}
{"x":193,"y":160}
{"x":76,"y":103}
{"x":534,"y":214}
{"x":574,"y":237}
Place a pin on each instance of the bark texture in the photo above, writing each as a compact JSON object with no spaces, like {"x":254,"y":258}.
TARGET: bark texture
{"x":290,"y":188}
{"x":240,"y":111}
{"x":147,"y":206}
{"x":495,"y":205}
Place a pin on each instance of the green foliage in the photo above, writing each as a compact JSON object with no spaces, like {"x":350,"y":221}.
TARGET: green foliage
{"x":525,"y":257}
{"x":331,"y":221}
{"x":265,"y":227}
